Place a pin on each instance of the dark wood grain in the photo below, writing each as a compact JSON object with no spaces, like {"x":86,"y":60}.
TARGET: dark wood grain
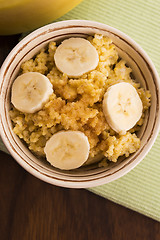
{"x":32,"y":209}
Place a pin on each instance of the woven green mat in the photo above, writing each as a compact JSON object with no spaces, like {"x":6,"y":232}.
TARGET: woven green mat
{"x":139,"y":189}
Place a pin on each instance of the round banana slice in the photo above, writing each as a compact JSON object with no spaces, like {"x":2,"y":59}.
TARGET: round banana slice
{"x":67,"y":150}
{"x":122,"y":107}
{"x":97,"y":158}
{"x":30,"y":91}
{"x":76,"y":56}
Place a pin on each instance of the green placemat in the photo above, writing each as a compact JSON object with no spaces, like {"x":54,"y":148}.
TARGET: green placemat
{"x":139,"y":189}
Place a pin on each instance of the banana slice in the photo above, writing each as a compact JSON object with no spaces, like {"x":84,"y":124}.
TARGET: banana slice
{"x":67,"y":149}
{"x":122,"y":107}
{"x":95,"y":159}
{"x":30,"y":91}
{"x":76,"y":56}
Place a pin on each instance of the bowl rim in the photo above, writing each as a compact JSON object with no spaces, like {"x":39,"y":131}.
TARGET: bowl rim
{"x":121,"y":172}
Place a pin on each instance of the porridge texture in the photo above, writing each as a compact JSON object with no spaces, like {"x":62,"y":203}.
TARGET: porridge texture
{"x":76,"y":104}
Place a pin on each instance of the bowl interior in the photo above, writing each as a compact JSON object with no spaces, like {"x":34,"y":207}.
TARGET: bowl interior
{"x":89,"y":175}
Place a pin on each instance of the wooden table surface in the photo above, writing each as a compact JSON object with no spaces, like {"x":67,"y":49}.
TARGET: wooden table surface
{"x":34,"y":210}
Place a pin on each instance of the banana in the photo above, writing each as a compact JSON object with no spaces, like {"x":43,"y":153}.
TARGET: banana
{"x":30,"y":91}
{"x":95,"y":159}
{"x":122,"y":107}
{"x":67,"y":150}
{"x":76,"y":56}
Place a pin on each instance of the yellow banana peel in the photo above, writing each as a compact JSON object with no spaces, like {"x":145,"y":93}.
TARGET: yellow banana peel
{"x":18,"y":16}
